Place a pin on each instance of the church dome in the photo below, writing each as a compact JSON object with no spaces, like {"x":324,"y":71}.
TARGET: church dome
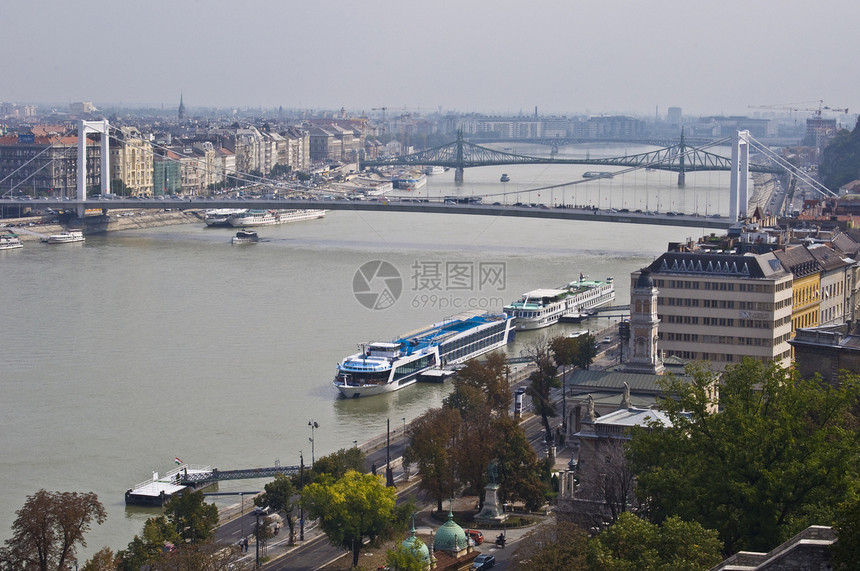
{"x":644,"y":280}
{"x":416,"y":546}
{"x":450,"y":537}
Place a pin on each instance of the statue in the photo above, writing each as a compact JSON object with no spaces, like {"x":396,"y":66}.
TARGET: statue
{"x":590,"y":415}
{"x":493,"y":472}
{"x":625,"y":400}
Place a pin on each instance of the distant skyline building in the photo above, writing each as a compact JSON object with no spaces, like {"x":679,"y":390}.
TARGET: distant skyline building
{"x":673,"y":116}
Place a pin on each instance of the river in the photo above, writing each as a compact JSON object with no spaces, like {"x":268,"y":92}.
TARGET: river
{"x":144,"y":345}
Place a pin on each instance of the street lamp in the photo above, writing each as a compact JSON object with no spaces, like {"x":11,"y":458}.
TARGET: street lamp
{"x":313,"y":425}
{"x":404,"y":426}
{"x":301,"y":504}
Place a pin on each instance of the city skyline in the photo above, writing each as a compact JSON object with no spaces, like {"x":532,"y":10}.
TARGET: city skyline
{"x":492,"y":57}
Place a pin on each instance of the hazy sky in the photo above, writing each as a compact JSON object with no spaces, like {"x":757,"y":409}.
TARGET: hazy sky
{"x":492,"y":56}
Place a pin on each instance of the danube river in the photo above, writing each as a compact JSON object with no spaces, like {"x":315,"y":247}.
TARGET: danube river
{"x":140,"y":346}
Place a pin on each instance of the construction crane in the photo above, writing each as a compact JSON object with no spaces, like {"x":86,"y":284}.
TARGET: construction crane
{"x":817,"y":112}
{"x":383,"y":109}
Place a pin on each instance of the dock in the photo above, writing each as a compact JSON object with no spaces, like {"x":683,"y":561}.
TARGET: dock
{"x":157,"y":490}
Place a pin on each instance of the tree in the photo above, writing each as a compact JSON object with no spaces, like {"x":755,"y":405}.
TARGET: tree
{"x":48,"y":529}
{"x":103,"y":560}
{"x":403,"y":558}
{"x":192,"y":518}
{"x":633,"y":543}
{"x":778,"y":456}
{"x":522,"y":474}
{"x":607,"y":483}
{"x":846,"y":551}
{"x":541,"y":381}
{"x":339,"y":463}
{"x":490,"y":376}
{"x":431,"y":438}
{"x":353,"y":508}
{"x":279,"y":497}
{"x":554,"y":545}
{"x":150,"y":546}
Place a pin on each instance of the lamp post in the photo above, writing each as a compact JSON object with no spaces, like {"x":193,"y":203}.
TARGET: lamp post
{"x":301,"y":504}
{"x":242,"y":512}
{"x":313,"y":425}
{"x":389,"y":475}
{"x":404,"y":426}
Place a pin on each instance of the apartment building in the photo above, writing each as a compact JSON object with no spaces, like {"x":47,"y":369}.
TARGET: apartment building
{"x":131,"y":163}
{"x":722,"y":307}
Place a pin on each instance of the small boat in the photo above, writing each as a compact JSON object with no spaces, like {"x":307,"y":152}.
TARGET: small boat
{"x":10,"y":242}
{"x":433,"y":169}
{"x":66,"y":237}
{"x":597,"y":174}
{"x":505,"y":178}
{"x":245,"y":237}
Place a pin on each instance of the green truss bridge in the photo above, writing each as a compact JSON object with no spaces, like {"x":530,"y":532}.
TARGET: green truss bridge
{"x":461,"y":154}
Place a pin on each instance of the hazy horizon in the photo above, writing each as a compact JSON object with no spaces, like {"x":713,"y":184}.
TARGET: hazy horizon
{"x":499,"y":57}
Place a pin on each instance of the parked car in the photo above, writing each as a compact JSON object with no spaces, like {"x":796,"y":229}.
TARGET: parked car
{"x":484,"y":562}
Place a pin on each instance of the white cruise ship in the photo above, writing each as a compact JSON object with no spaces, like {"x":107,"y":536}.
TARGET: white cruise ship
{"x":544,"y":307}
{"x":382,"y":367}
{"x":10,"y":242}
{"x":220,"y":216}
{"x":66,"y":237}
{"x":271,"y":217}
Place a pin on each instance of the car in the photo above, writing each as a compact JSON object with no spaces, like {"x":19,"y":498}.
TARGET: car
{"x":484,"y":562}
{"x":475,"y":536}
{"x":607,"y":339}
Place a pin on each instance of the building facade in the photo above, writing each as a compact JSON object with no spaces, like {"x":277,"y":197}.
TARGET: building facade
{"x":721,"y":308}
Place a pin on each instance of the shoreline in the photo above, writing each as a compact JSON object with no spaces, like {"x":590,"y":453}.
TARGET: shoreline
{"x":29,"y":231}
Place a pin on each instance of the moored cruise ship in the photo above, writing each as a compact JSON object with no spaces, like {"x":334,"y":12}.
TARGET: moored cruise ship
{"x":544,"y":307}
{"x":409,"y":181}
{"x":220,"y":216}
{"x":271,"y":217}
{"x":66,"y":237}
{"x":382,"y":367}
{"x":10,"y":242}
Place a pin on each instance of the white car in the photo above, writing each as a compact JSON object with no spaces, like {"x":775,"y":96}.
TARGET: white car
{"x":607,"y":339}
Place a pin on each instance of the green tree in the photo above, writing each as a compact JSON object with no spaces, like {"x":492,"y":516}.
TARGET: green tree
{"x":150,"y":546}
{"x":846,"y":551}
{"x":431,"y":439}
{"x":279,"y":496}
{"x":778,"y":456}
{"x":339,"y":463}
{"x":102,"y":560}
{"x":523,"y":476}
{"x":192,"y":518}
{"x":352,"y":509}
{"x":403,"y":558}
{"x":554,"y":545}
{"x":633,"y":544}
{"x":585,"y":351}
{"x":49,"y":528}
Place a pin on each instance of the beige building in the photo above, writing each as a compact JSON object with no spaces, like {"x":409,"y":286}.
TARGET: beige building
{"x":721,"y":307}
{"x":131,"y":163}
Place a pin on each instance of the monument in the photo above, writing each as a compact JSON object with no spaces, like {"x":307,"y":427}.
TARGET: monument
{"x":492,"y":512}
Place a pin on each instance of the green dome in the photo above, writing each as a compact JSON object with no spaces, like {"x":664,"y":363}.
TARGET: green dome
{"x":417,"y":546}
{"x":450,"y":536}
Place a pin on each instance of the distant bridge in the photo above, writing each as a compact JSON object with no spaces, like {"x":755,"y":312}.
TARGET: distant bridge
{"x":461,"y":154}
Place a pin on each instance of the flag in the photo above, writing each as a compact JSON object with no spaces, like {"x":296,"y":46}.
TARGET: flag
{"x":580,"y":276}
{"x":177,"y":460}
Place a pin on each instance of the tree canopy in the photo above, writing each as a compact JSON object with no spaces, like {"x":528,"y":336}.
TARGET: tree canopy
{"x":49,"y":528}
{"x":431,"y":438}
{"x":355,"y":507}
{"x":632,"y":543}
{"x":778,"y":456}
{"x":279,"y":496}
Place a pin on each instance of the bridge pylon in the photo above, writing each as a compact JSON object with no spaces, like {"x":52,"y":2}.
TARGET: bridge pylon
{"x":92,"y":127}
{"x":682,"y":151}
{"x":739,"y":189}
